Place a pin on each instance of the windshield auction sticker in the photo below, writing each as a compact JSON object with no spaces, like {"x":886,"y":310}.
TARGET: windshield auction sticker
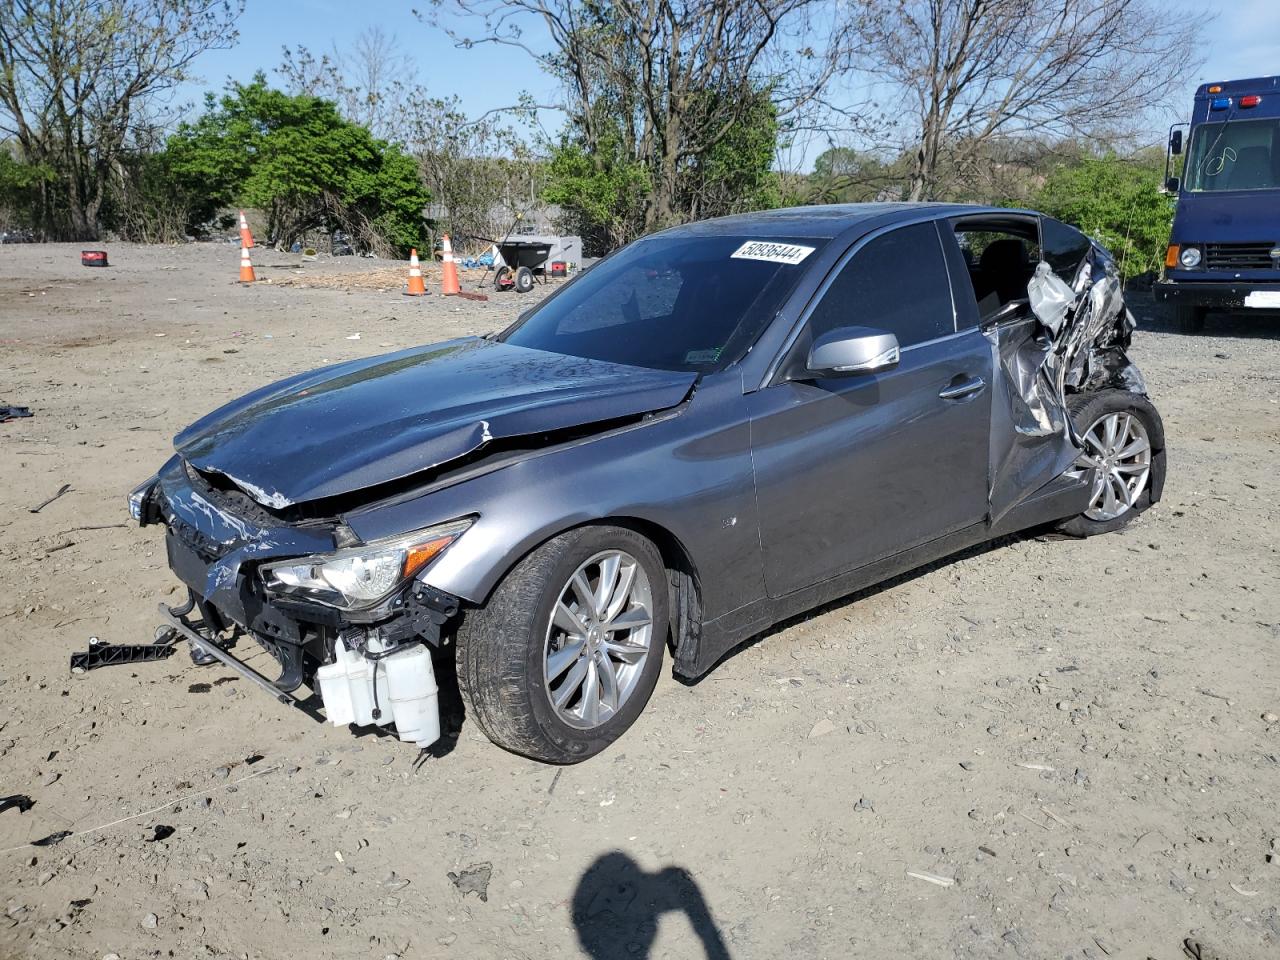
{"x":772,"y":252}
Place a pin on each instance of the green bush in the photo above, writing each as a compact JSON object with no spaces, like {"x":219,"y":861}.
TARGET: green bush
{"x":20,"y":187}
{"x":299,"y":160}
{"x":1117,"y":201}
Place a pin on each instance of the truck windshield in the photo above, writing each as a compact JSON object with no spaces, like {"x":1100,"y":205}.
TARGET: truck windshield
{"x":690,"y":303}
{"x":1237,"y":155}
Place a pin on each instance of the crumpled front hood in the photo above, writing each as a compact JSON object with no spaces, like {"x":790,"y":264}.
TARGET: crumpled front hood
{"x":359,"y":424}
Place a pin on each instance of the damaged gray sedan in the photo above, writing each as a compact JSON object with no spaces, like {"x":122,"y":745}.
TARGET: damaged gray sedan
{"x":712,"y":430}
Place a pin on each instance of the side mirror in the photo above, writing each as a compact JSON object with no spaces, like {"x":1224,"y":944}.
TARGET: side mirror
{"x":1172,"y":185}
{"x":849,"y":351}
{"x":1175,"y":143}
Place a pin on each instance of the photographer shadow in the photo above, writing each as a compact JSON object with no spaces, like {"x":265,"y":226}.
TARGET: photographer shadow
{"x":617,"y":905}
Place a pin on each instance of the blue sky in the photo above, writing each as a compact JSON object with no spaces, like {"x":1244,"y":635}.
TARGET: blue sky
{"x":485,"y":76}
{"x":1243,"y":40}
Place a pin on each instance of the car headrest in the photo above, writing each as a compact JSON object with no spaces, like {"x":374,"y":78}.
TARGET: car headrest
{"x":1006,"y":256}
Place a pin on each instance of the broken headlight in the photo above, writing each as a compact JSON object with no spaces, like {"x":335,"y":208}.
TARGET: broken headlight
{"x":138,"y":499}
{"x":359,"y":577}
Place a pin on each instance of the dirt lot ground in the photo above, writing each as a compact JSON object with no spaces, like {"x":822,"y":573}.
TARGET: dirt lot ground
{"x":1081,"y":735}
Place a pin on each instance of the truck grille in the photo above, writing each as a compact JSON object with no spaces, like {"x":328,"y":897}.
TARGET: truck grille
{"x":1239,"y":256}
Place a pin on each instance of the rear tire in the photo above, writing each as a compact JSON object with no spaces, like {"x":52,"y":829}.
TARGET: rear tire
{"x":506,"y":648}
{"x":502,"y":279}
{"x":1088,"y":411}
{"x":1189,"y":319}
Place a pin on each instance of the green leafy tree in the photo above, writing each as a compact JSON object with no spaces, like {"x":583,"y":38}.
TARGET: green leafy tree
{"x":846,"y":175}
{"x":479,"y":171}
{"x":607,"y":191}
{"x":21,"y":186}
{"x":1117,"y":201}
{"x":686,"y":96}
{"x":735,"y":175}
{"x":602,"y":194}
{"x":299,"y":160}
{"x":148,"y":202}
{"x":80,"y":78}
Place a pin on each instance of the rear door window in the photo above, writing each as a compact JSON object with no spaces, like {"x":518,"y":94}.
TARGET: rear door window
{"x":896,"y":282}
{"x":999,"y":258}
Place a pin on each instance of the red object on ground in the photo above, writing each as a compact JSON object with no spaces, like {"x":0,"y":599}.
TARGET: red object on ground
{"x":93,"y":258}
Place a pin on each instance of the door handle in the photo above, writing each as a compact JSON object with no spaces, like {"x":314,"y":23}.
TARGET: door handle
{"x":967,"y":388}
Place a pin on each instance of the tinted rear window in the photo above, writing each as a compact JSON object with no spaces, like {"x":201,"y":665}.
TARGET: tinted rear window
{"x":670,"y":303}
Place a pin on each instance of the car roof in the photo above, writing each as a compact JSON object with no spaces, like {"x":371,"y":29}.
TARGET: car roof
{"x":826,"y":221}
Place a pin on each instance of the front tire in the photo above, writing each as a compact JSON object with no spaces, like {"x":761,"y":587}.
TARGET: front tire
{"x":565,"y":654}
{"x":1123,"y":459}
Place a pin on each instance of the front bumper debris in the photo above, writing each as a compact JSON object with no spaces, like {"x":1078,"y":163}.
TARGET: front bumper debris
{"x":188,"y":632}
{"x":374,"y":680}
{"x":103,"y":654}
{"x":367,"y":667}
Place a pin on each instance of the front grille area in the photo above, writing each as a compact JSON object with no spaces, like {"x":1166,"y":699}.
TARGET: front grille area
{"x":1240,"y":256}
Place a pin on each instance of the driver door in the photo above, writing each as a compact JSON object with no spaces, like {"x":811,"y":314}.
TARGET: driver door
{"x":850,"y":470}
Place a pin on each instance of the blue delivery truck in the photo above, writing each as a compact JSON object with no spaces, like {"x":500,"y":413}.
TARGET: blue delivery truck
{"x":1224,"y":249}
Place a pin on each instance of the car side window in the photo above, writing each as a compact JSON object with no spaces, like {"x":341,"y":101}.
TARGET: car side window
{"x":897,"y":282}
{"x":999,"y":258}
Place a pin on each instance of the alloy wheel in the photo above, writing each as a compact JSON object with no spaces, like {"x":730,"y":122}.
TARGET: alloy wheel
{"x":598,"y":639}
{"x":1117,"y":455}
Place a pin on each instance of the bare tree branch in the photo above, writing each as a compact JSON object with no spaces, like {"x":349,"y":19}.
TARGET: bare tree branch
{"x":77,"y":79}
{"x":669,"y":81}
{"x":978,"y":70}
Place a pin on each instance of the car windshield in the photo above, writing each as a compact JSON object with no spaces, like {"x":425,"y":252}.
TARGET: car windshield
{"x":1238,"y":155}
{"x":670,"y":303}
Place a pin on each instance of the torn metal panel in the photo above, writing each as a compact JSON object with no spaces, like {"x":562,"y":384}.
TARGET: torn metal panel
{"x":1075,"y":340}
{"x":1029,"y":444}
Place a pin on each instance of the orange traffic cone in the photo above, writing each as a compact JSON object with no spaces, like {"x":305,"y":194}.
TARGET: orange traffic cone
{"x":449,"y":285}
{"x":246,"y":238}
{"x":246,"y":268}
{"x":416,"y":287}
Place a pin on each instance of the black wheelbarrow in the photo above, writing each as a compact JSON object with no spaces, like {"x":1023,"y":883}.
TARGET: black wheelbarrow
{"x":521,"y":259}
